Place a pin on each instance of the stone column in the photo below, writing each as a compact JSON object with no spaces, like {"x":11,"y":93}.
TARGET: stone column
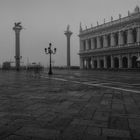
{"x":68,"y":34}
{"x":87,"y":47}
{"x":112,"y":39}
{"x":105,"y":43}
{"x":92,"y":59}
{"x":138,"y":35}
{"x":120,"y":62}
{"x":17,"y":28}
{"x":112,"y":62}
{"x":105,"y":62}
{"x":121,"y":40}
{"x":98,"y":42}
{"x":92,"y":43}
{"x":130,"y":36}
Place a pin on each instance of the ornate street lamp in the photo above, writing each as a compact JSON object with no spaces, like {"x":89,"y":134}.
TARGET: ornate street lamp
{"x":50,"y":51}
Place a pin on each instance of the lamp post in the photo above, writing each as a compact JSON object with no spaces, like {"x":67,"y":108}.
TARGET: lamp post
{"x":50,"y":51}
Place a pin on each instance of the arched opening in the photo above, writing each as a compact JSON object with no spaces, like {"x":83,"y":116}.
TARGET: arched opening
{"x":125,"y":62}
{"x":108,"y":40}
{"x":125,"y":37}
{"x":84,"y":45}
{"x":108,"y":59}
{"x":101,"y":64}
{"x":116,"y":39}
{"x":135,"y":35}
{"x":89,"y":63}
{"x":116,"y":62}
{"x":89,"y":44}
{"x":101,"y":39}
{"x":95,"y":64}
{"x":95,"y":41}
{"x":134,"y":62}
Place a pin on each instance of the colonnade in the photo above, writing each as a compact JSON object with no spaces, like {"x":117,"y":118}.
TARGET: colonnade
{"x":109,"y":61}
{"x":120,"y":38}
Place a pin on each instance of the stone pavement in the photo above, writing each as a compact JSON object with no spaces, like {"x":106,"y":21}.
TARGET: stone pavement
{"x":37,"y":108}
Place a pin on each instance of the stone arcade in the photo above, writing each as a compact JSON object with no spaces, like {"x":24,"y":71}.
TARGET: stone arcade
{"x":112,"y":45}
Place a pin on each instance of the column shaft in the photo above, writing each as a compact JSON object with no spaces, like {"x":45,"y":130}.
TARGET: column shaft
{"x":120,"y":61}
{"x":92,"y":43}
{"x":112,"y":39}
{"x":87,"y":47}
{"x":130,"y":36}
{"x":105,"y":43}
{"x":105,"y":62}
{"x":112,"y":62}
{"x":98,"y":42}
{"x":121,"y":40}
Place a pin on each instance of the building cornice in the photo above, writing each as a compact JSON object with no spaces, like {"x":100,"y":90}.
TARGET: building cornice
{"x":128,"y":48}
{"x":113,"y":25}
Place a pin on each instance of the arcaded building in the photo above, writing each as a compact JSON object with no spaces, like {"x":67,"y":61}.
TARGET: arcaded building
{"x":111,"y":45}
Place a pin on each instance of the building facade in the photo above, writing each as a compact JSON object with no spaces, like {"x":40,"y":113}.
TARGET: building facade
{"x":112,"y":45}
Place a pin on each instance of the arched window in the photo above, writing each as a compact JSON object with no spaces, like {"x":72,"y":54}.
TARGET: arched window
{"x":108,"y":40}
{"x":95,"y":41}
{"x":134,"y":35}
{"x":101,"y":64}
{"x":116,"y":62}
{"x":108,"y":59}
{"x":95,"y":64}
{"x":116,"y":39}
{"x":101,"y":39}
{"x":125,"y":62}
{"x":125,"y":37}
{"x":134,"y":62}
{"x":84,"y":45}
{"x":89,"y":44}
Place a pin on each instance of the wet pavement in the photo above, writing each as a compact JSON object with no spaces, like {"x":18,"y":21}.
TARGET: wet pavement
{"x":70,"y":105}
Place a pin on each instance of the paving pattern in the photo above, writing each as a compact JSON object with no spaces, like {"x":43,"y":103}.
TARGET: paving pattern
{"x":69,"y":105}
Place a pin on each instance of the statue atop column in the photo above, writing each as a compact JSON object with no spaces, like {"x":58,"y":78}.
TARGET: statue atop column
{"x":17,"y":28}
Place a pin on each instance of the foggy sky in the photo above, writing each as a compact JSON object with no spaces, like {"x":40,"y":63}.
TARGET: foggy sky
{"x":46,"y":20}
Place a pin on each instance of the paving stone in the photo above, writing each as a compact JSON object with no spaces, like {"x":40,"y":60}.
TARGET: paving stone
{"x":38,"y":132}
{"x":95,"y":123}
{"x":73,"y":132}
{"x":92,"y":137}
{"x":115,"y":133}
{"x":15,"y":137}
{"x":135,"y":133}
{"x":134,"y":123}
{"x":96,"y":131}
{"x":32,"y":107}
{"x":118,"y":123}
{"x":117,"y":138}
{"x":101,"y":116}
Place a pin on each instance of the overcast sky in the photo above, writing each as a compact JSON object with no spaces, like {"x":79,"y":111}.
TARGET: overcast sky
{"x":46,"y":20}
